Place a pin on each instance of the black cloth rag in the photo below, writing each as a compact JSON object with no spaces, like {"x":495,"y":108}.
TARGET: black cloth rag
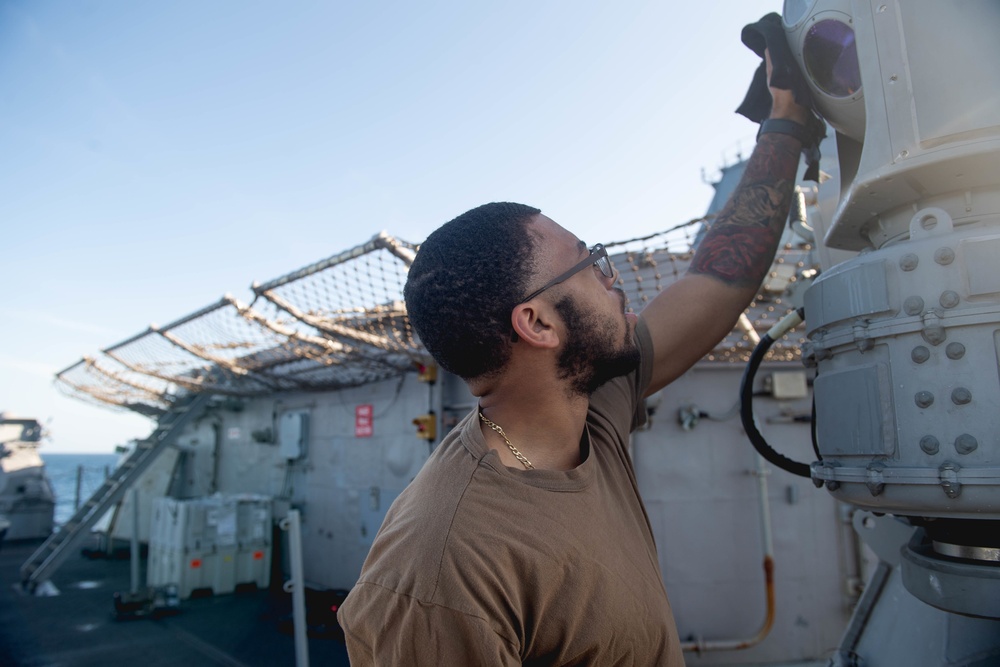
{"x":768,"y":33}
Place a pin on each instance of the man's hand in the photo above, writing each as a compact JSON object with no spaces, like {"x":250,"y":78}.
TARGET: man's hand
{"x":783,"y":104}
{"x":690,"y":317}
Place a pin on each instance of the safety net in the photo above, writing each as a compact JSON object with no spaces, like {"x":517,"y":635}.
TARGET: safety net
{"x":342,"y":322}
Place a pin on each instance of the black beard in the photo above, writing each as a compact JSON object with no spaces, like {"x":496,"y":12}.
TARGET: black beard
{"x":591,"y":356}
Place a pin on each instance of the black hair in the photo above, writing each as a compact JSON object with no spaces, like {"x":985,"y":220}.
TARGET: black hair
{"x":466,"y":278}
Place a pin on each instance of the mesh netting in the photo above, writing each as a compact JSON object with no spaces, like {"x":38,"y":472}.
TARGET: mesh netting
{"x":342,"y":322}
{"x":649,"y":264}
{"x":106,"y":382}
{"x":355,"y":299}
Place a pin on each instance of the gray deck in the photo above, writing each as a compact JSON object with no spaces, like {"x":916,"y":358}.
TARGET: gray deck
{"x":77,"y":628}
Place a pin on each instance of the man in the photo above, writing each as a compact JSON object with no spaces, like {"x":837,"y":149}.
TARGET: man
{"x":523,"y":540}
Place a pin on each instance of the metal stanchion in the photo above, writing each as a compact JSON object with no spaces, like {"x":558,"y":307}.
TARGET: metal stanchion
{"x":296,"y":586}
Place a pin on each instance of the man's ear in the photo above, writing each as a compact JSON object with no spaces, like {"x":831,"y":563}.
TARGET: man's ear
{"x":533,"y":324}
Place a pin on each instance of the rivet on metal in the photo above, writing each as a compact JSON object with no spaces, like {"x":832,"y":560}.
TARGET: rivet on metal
{"x":961,"y":396}
{"x":933,"y":331}
{"x":832,"y":485}
{"x":923,"y":399}
{"x":966,"y":444}
{"x":862,"y":340}
{"x":944,"y":256}
{"x":955,"y":351}
{"x":875,"y":482}
{"x":913,"y":305}
{"x":930,"y":444}
{"x":909,"y":261}
{"x":808,"y":351}
{"x":920,"y":354}
{"x":948,"y":476}
{"x":949,"y":299}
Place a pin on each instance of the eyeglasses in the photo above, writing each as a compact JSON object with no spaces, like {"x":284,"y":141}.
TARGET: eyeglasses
{"x":598,"y":257}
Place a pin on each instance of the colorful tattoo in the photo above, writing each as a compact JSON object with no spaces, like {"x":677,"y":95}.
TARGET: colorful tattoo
{"x":739,"y":247}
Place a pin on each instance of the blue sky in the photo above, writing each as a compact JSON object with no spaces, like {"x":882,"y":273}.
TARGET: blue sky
{"x":159,"y":155}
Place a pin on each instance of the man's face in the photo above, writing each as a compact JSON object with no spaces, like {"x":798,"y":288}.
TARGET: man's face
{"x":598,"y":348}
{"x":598,"y":342}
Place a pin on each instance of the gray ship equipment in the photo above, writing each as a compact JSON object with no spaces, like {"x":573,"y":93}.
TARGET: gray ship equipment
{"x":905,"y":337}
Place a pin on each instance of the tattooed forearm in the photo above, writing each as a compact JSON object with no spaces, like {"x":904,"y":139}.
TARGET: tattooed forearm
{"x":739,"y":247}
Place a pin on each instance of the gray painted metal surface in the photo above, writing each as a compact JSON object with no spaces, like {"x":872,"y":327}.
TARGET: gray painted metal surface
{"x":51,"y":554}
{"x":904,"y":336}
{"x":27,"y":503}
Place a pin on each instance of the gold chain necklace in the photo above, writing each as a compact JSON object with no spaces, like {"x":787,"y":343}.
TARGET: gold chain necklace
{"x":513,"y":450}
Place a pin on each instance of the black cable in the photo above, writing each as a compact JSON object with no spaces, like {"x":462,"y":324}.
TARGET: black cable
{"x":746,"y":413}
{"x":812,"y":427}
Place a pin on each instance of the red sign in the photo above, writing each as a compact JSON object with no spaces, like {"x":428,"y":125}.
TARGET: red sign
{"x":363,"y":421}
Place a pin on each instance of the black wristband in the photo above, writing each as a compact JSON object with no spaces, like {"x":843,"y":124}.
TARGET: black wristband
{"x":785,"y":126}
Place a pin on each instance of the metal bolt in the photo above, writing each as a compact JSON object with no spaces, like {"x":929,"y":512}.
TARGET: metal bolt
{"x":966,"y":444}
{"x":908,"y":262}
{"x":944,"y":256}
{"x":913,"y":305}
{"x":930,"y":444}
{"x":948,"y":476}
{"x":961,"y":396}
{"x":949,"y":299}
{"x":955,"y":350}
{"x":933,"y":331}
{"x":924,"y":399}
{"x":875,"y":481}
{"x":920,"y":354}
{"x":861,"y":337}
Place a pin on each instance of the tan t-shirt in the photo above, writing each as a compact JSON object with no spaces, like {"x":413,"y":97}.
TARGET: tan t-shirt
{"x":481,"y":564}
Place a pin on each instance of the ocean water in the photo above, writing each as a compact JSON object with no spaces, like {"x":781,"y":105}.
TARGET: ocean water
{"x":63,"y":470}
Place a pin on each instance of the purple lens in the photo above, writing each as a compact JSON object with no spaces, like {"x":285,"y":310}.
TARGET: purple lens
{"x":831,"y":58}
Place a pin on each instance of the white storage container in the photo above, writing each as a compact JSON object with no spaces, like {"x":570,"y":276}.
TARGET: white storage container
{"x":213,"y":543}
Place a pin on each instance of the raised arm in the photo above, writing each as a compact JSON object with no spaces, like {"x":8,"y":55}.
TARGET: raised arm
{"x":691,"y":316}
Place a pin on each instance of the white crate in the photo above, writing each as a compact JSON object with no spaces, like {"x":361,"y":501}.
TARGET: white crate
{"x":216,"y":543}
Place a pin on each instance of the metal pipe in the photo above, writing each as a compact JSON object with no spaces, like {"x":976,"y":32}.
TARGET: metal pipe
{"x":125,"y":342}
{"x":201,"y":312}
{"x":798,"y":218}
{"x":744,"y":324}
{"x":862,"y":612}
{"x":69,"y":368}
{"x":79,"y":483}
{"x":379,"y":241}
{"x":295,"y":586}
{"x":134,"y":570}
{"x":401,"y":249}
{"x":764,"y":509}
